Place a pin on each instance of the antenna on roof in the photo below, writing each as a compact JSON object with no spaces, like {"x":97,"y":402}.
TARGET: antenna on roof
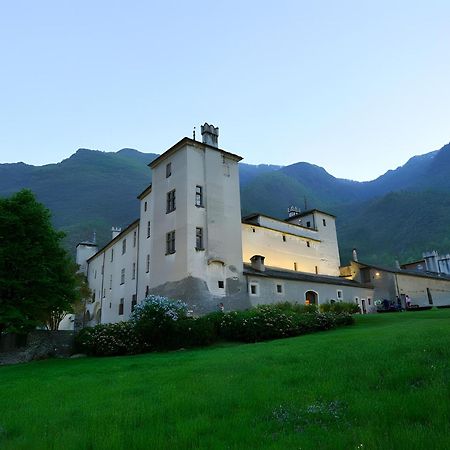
{"x":193,"y":134}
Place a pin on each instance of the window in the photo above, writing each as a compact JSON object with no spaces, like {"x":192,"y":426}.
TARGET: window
{"x":357,"y":300}
{"x":112,"y":255}
{"x":221,"y":284}
{"x":324,"y":222}
{"x":145,"y":206}
{"x":254,"y":289}
{"x":124,"y":246}
{"x":121,"y":307}
{"x":254,"y":231}
{"x":148,"y":229}
{"x":199,"y":238}
{"x":168,"y":170}
{"x":122,"y":276}
{"x":279,"y":288}
{"x":133,"y":272}
{"x":110,"y":282}
{"x":308,"y":244}
{"x":339,"y":294}
{"x":284,"y":238}
{"x":133,"y":302}
{"x":199,"y":196}
{"x":369,"y":301}
{"x":308,"y":224}
{"x":95,"y":274}
{"x":170,"y":206}
{"x":147,"y":290}
{"x":170,"y":242}
{"x":93,"y":297}
{"x":147,"y":264}
{"x":134,"y":239}
{"x":104,"y":292}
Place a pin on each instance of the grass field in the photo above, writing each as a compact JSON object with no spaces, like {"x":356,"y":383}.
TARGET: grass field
{"x":380,"y":384}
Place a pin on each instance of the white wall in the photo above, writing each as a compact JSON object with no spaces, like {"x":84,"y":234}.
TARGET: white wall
{"x":285,"y":245}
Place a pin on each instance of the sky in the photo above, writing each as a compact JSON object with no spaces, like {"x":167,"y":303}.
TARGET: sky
{"x":357,"y":87}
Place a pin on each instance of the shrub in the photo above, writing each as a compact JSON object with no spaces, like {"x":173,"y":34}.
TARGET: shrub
{"x":198,"y":332}
{"x":340,"y":307}
{"x":155,"y":321}
{"x":295,"y":307}
{"x":108,"y":340}
{"x":272,"y":321}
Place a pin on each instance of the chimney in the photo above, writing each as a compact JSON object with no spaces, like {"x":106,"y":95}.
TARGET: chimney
{"x":293,"y":211}
{"x":258,"y":263}
{"x":115,"y":231}
{"x":355,"y":255}
{"x":210,"y":135}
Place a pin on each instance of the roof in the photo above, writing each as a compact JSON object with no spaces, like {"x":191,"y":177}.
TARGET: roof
{"x":87,"y":244}
{"x":272,"y":272}
{"x":145,"y":191}
{"x":414,"y":273}
{"x":248,"y":221}
{"x":117,"y":238}
{"x":189,"y":141}
{"x":309,"y":211}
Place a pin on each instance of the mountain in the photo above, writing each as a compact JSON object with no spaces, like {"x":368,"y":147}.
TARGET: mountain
{"x":396,"y":216}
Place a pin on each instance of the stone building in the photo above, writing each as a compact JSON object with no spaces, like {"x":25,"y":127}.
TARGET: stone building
{"x":191,"y":243}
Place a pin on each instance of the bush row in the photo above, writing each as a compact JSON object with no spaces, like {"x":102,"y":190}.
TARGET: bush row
{"x":160,"y":324}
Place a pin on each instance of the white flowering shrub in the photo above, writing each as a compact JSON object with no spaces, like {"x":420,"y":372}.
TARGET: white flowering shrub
{"x":155,"y":320}
{"x":108,"y":340}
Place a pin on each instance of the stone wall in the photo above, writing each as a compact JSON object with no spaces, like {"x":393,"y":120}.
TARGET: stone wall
{"x":38,"y":344}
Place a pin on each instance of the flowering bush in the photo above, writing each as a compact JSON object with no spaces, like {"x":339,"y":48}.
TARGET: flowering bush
{"x":272,"y":322}
{"x":108,"y":340}
{"x":340,"y":307}
{"x":155,"y":321}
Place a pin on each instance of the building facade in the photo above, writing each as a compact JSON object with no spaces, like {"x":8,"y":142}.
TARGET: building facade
{"x":190,"y":243}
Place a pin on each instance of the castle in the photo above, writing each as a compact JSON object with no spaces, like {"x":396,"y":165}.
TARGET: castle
{"x":190,"y":243}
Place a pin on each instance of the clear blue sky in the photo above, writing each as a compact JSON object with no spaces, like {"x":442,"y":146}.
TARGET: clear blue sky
{"x":357,"y":87}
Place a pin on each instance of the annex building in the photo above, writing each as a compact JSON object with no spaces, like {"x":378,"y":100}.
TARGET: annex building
{"x":191,"y":243}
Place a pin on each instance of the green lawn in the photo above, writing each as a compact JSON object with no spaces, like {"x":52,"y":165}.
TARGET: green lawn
{"x":380,"y":384}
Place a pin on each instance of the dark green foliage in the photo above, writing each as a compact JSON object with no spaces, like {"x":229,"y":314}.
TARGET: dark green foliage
{"x":38,"y":284}
{"x":295,"y":307}
{"x":340,"y":307}
{"x":276,"y":321}
{"x":109,"y":340}
{"x":160,"y":324}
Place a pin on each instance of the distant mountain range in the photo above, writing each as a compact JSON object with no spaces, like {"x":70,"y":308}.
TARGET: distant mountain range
{"x":396,"y":216}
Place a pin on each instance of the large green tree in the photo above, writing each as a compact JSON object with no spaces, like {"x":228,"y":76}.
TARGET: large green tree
{"x":38,"y":282}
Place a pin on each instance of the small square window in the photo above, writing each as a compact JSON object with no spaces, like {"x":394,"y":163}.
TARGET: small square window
{"x":253,"y":289}
{"x":220,"y":283}
{"x":121,"y":307}
{"x":308,"y":224}
{"x":168,"y":170}
{"x":324,"y":222}
{"x":339,"y":294}
{"x":308,"y":244}
{"x":284,"y":238}
{"x":279,"y":288}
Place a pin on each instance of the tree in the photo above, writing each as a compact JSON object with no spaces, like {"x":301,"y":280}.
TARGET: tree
{"x":38,"y":282}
